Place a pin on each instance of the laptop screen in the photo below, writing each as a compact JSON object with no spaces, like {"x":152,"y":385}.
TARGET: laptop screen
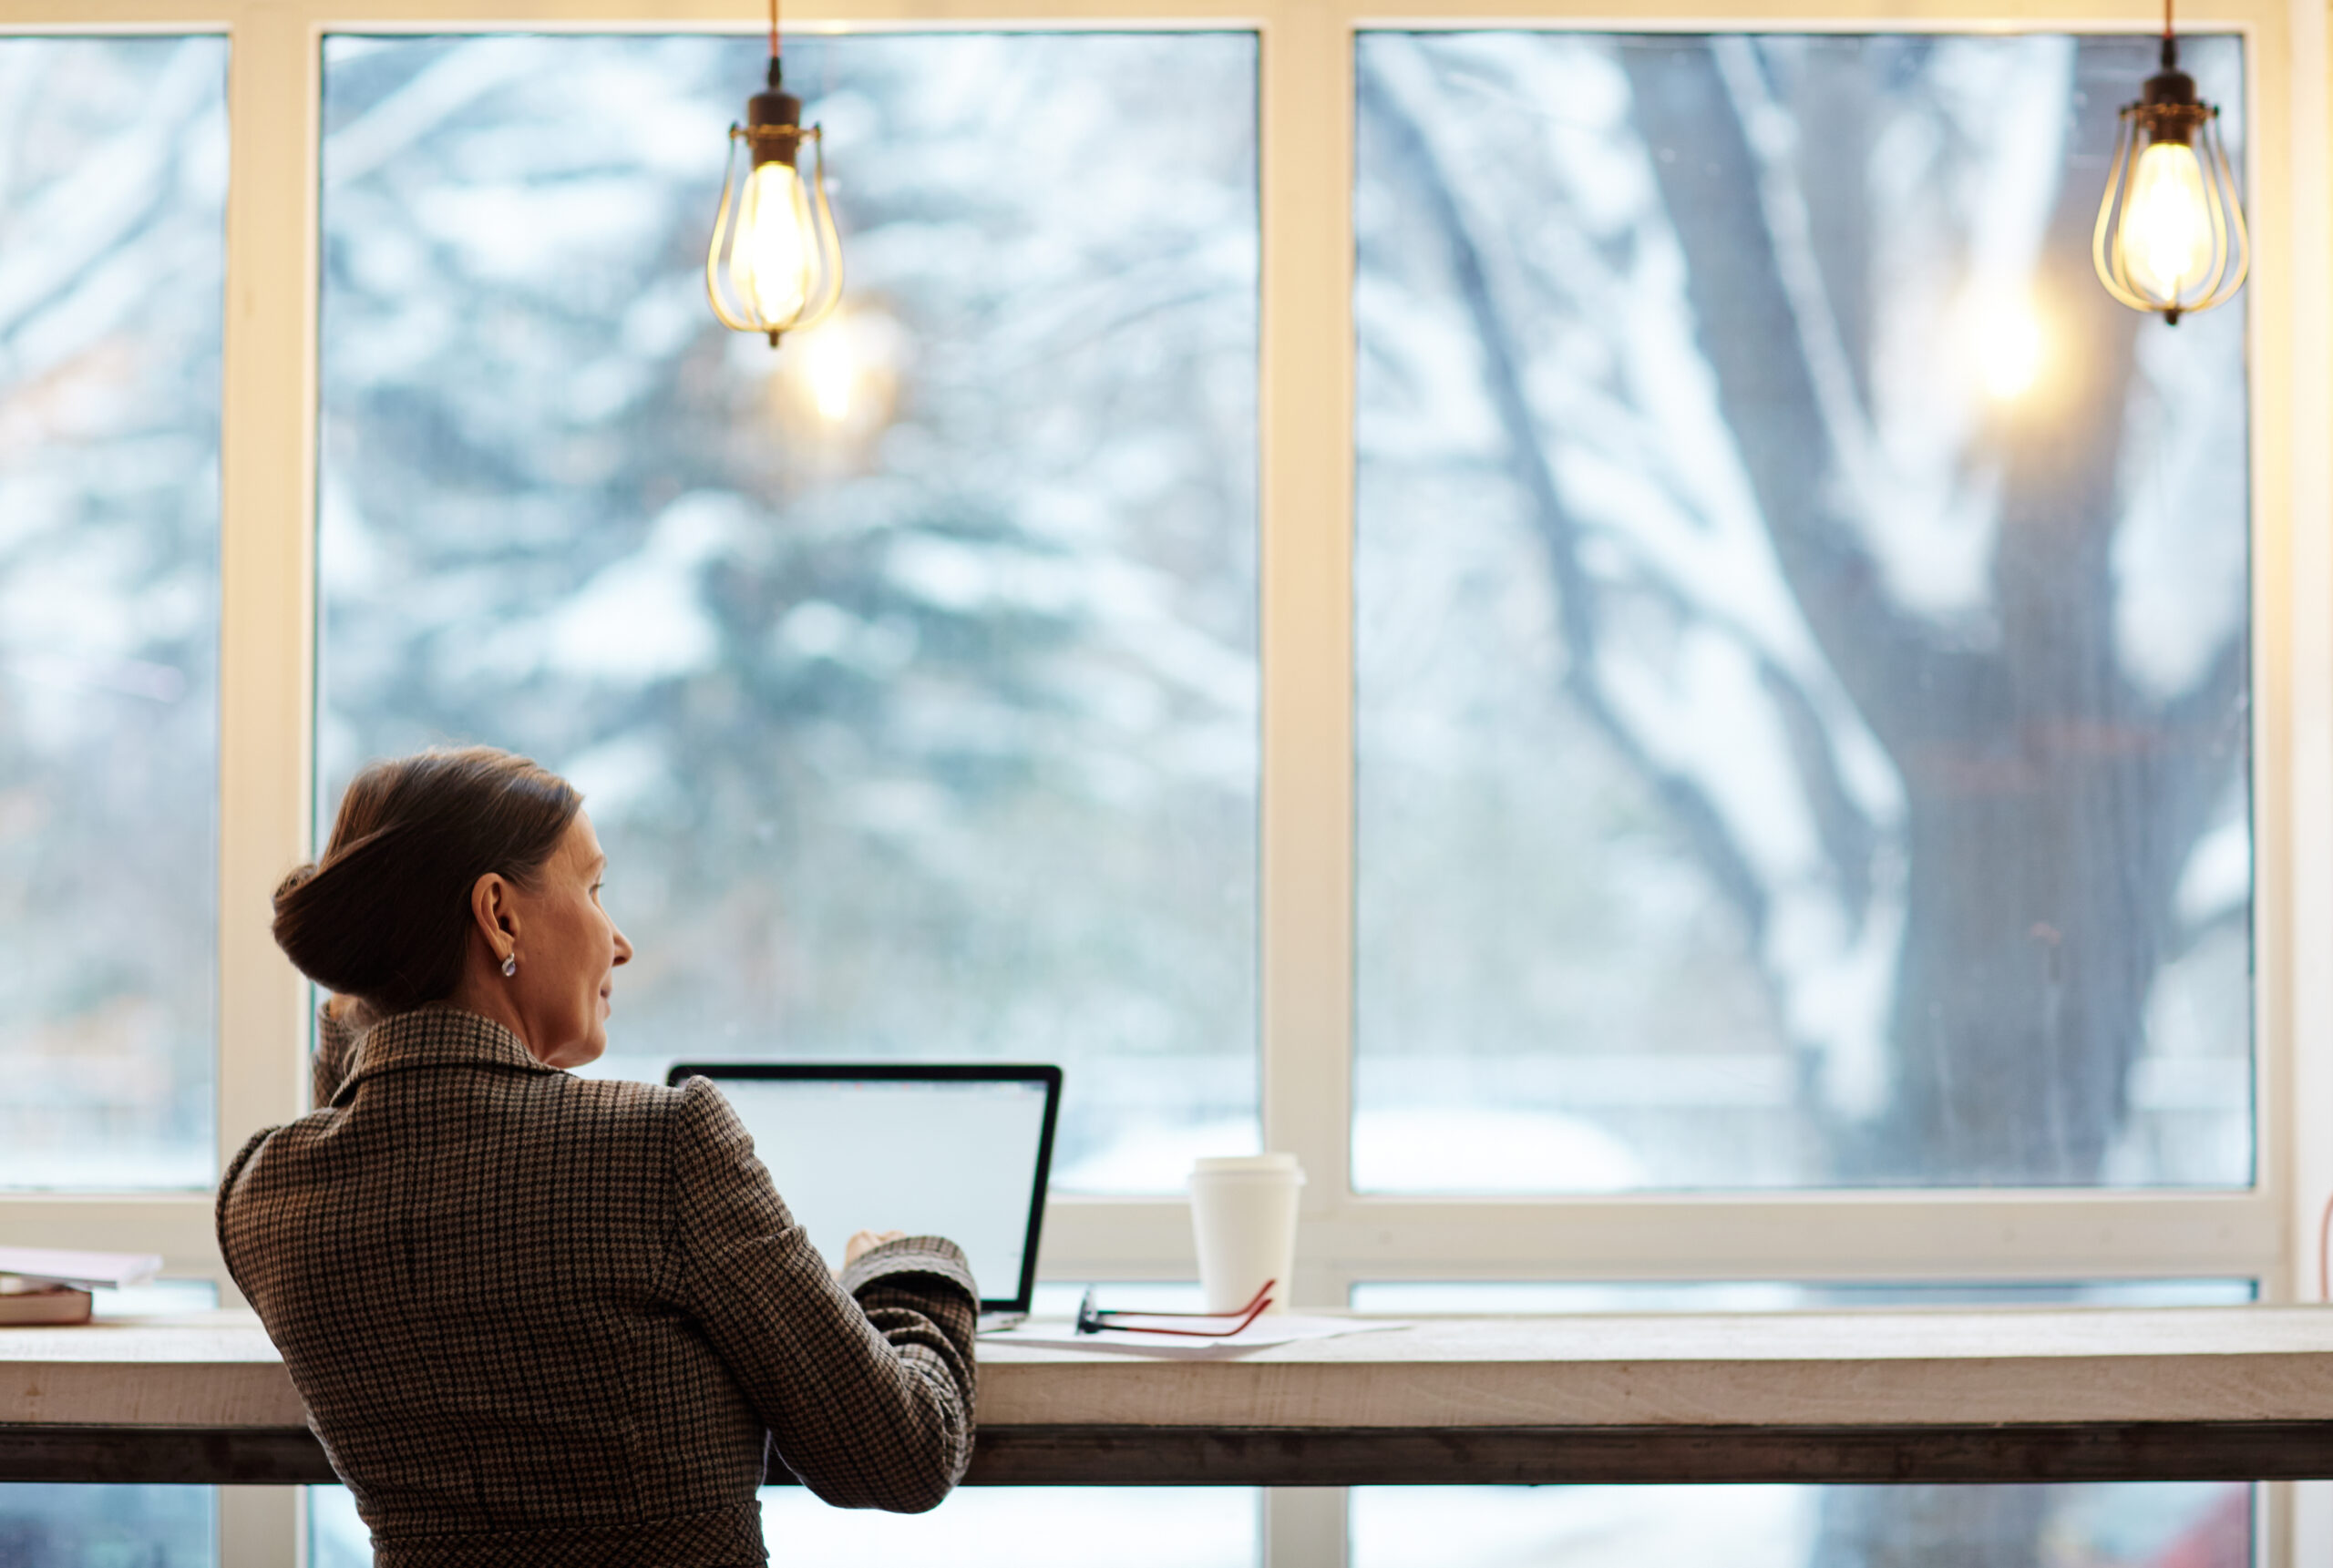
{"x":953,"y":1152}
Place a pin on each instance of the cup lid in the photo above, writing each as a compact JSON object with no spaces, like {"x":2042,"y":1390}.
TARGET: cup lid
{"x":1272,"y":1164}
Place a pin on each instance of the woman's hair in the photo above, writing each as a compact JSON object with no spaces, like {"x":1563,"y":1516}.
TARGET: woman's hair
{"x":385,"y":915}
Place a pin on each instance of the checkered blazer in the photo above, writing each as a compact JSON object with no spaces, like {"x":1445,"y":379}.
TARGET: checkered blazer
{"x":544,"y":1319}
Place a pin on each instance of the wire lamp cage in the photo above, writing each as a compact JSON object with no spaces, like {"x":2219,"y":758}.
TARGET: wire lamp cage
{"x":776,"y":263}
{"x":2171,"y":237}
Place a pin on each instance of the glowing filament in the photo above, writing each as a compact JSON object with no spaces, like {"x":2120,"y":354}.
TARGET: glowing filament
{"x":2167,"y":226}
{"x":770,"y":261}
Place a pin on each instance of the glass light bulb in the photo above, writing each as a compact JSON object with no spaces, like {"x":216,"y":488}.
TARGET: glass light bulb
{"x":2167,"y":225}
{"x":769,"y":261}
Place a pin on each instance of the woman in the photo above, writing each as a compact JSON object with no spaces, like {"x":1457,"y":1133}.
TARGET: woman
{"x":538,"y":1318}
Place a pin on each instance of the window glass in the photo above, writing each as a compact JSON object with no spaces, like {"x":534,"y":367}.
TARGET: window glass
{"x":977,"y":1527}
{"x":1027,"y":1527}
{"x":1062,"y":1298}
{"x":909,"y":671}
{"x":157,"y":1299}
{"x":112,"y":246}
{"x":1802,"y":626}
{"x":109,"y":1526}
{"x":2129,"y":1525}
{"x":1495,"y":1296}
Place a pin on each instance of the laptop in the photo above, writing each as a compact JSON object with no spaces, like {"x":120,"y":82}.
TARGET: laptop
{"x":958,"y":1151}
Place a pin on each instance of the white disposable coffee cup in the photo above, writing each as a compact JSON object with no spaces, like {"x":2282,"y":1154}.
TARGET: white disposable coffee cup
{"x":1243,"y":1216}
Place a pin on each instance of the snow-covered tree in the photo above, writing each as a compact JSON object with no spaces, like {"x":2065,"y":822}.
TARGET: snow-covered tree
{"x":922,"y":725}
{"x":113,"y":166}
{"x":1709,"y":349}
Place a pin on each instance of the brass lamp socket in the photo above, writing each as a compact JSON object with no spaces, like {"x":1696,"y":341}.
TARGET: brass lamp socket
{"x":774,"y":121}
{"x":2167,"y":104}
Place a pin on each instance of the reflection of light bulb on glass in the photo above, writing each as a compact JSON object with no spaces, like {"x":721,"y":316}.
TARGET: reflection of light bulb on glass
{"x":769,"y":264}
{"x":2167,"y":227}
{"x":2001,"y":332}
{"x":837,"y":388}
{"x":830,"y":367}
{"x":2011,"y":340}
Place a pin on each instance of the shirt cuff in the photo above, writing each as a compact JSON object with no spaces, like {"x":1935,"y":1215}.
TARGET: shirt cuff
{"x":932,"y":1258}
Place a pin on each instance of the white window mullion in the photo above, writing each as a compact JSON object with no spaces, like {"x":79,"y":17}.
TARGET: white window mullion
{"x":1307,"y":515}
{"x":266,"y":570}
{"x":2030,"y":1235}
{"x":176,"y":1227}
{"x":2289,"y":684}
{"x":2299,"y":1520}
{"x":2027,"y":1235}
{"x":260,"y":1527}
{"x":2296,"y":845}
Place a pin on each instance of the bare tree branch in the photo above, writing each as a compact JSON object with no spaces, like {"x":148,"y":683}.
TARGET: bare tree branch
{"x":1559,"y":532}
{"x":1705,"y":166}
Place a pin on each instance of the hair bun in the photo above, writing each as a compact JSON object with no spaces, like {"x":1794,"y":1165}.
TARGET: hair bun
{"x":324,"y":926}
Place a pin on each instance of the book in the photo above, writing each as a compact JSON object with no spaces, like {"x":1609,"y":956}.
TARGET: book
{"x":26,"y":1301}
{"x":85,"y":1270}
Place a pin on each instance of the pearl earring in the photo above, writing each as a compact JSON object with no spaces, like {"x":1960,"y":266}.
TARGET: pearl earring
{"x":510,"y":964}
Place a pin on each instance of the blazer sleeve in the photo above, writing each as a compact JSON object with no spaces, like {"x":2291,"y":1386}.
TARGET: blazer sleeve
{"x":868,"y":1400}
{"x":222,"y":1226}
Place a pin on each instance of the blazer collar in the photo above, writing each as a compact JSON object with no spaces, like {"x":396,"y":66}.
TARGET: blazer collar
{"x":437,"y":1037}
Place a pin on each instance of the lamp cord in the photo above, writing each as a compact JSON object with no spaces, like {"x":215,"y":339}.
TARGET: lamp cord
{"x":773,"y":25}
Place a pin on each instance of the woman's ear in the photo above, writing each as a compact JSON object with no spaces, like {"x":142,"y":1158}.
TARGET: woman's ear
{"x":495,"y":912}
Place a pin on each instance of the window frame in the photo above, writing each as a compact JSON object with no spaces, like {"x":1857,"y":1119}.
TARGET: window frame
{"x":1307,"y":840}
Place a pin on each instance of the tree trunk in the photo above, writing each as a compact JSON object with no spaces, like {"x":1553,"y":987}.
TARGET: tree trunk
{"x":2048,"y":812}
{"x":2047,"y":808}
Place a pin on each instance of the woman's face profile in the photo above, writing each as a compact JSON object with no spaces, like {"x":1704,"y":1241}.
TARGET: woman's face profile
{"x":558,"y":998}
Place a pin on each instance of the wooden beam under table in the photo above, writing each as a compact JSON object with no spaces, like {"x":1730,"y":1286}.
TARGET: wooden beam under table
{"x":1365,"y":1456}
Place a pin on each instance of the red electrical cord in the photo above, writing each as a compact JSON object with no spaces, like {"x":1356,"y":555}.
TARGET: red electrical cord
{"x":773,"y":25}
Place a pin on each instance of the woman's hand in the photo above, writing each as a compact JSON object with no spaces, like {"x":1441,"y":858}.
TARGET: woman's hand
{"x":865,"y":1242}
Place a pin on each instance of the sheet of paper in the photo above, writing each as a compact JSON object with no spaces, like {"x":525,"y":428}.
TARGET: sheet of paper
{"x":85,"y":1270}
{"x":1263,"y":1332}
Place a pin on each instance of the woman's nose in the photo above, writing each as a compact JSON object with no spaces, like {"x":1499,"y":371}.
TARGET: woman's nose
{"x":623,"y":948}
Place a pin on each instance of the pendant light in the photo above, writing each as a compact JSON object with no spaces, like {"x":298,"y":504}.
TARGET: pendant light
{"x":2170,"y":234}
{"x":775,"y":264}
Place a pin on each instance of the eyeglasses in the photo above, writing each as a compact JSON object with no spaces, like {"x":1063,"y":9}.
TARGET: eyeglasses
{"x":1093,"y":1320}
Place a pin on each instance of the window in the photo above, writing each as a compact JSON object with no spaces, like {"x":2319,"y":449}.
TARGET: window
{"x":1803,"y":648}
{"x":910,"y":675}
{"x":1135,"y":639}
{"x":112,"y":198}
{"x":152,"y":1526}
{"x":980,"y":1527}
{"x":1791,"y":1526}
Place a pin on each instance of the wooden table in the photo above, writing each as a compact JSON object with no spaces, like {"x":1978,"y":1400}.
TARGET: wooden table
{"x":2097,"y":1394}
